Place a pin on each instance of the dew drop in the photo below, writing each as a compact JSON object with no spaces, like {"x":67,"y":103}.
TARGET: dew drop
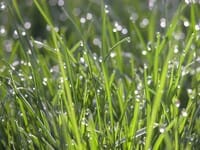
{"x":23,"y":33}
{"x":144,"y":23}
{"x":186,"y":23}
{"x":61,"y":3}
{"x":197,"y":27}
{"x":177,"y":103}
{"x":82,"y":20}
{"x":89,"y":16}
{"x":97,"y":42}
{"x":162,"y":129}
{"x":2,"y":31}
{"x":82,"y":60}
{"x":106,"y":9}
{"x":163,"y":22}
{"x":184,"y":113}
{"x":100,"y":60}
{"x":144,"y":52}
{"x":15,"y":34}
{"x":128,"y":39}
{"x":44,"y":82}
{"x":2,"y":6}
{"x":124,"y":31}
{"x":81,"y":43}
{"x":133,"y":17}
{"x":176,"y":49}
{"x":27,"y":25}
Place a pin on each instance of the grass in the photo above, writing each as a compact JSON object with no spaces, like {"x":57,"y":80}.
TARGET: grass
{"x":99,"y":75}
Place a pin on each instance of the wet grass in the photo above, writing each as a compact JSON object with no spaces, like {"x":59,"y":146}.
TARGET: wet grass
{"x":99,"y":75}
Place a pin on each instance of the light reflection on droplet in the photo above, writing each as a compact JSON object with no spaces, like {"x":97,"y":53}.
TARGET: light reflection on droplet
{"x":61,"y":3}
{"x":163,"y":22}
{"x":15,"y":34}
{"x":97,"y":42}
{"x":82,"y":20}
{"x":133,"y":17}
{"x":176,"y":50}
{"x":144,"y":23}
{"x":124,"y":31}
{"x":89,"y":16}
{"x":2,"y":6}
{"x":106,"y":9}
{"x":177,"y":103}
{"x":144,"y":52}
{"x":197,"y":27}
{"x":27,"y":25}
{"x":184,"y":113}
{"x":112,"y":54}
{"x":162,"y":129}
{"x":2,"y":31}
{"x":186,"y":23}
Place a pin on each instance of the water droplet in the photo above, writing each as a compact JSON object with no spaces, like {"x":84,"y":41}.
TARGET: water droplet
{"x":128,"y":39}
{"x":80,"y":77}
{"x":97,"y":42}
{"x":189,"y":91}
{"x":89,"y":16}
{"x":112,"y":54}
{"x":177,"y":103}
{"x":176,"y":49}
{"x":124,"y":31}
{"x":81,"y":43}
{"x":15,"y":34}
{"x":186,"y":23}
{"x":106,"y":9}
{"x":184,"y":113}
{"x":133,"y":17}
{"x":61,"y":3}
{"x":100,"y":60}
{"x":48,"y":27}
{"x":27,"y":25}
{"x":144,"y":23}
{"x":2,"y":31}
{"x":162,"y":129}
{"x":197,"y":27}
{"x":44,"y":82}
{"x":2,"y":6}
{"x":179,"y":35}
{"x":82,"y":60}
{"x":144,"y":52}
{"x":23,"y":33}
{"x":163,"y":22}
{"x":82,"y":20}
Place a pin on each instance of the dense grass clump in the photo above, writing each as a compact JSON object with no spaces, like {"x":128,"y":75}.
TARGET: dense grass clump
{"x":96,"y":74}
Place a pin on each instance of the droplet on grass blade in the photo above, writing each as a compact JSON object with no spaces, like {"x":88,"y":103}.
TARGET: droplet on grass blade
{"x":177,"y":103}
{"x":144,"y":23}
{"x":82,"y":20}
{"x":27,"y":25}
{"x":186,"y":23}
{"x":124,"y":31}
{"x":162,"y":129}
{"x":163,"y":22}
{"x":184,"y":113}
{"x":89,"y":16}
{"x":3,"y":31}
{"x":60,"y":3}
{"x":2,"y":6}
{"x":106,"y":9}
